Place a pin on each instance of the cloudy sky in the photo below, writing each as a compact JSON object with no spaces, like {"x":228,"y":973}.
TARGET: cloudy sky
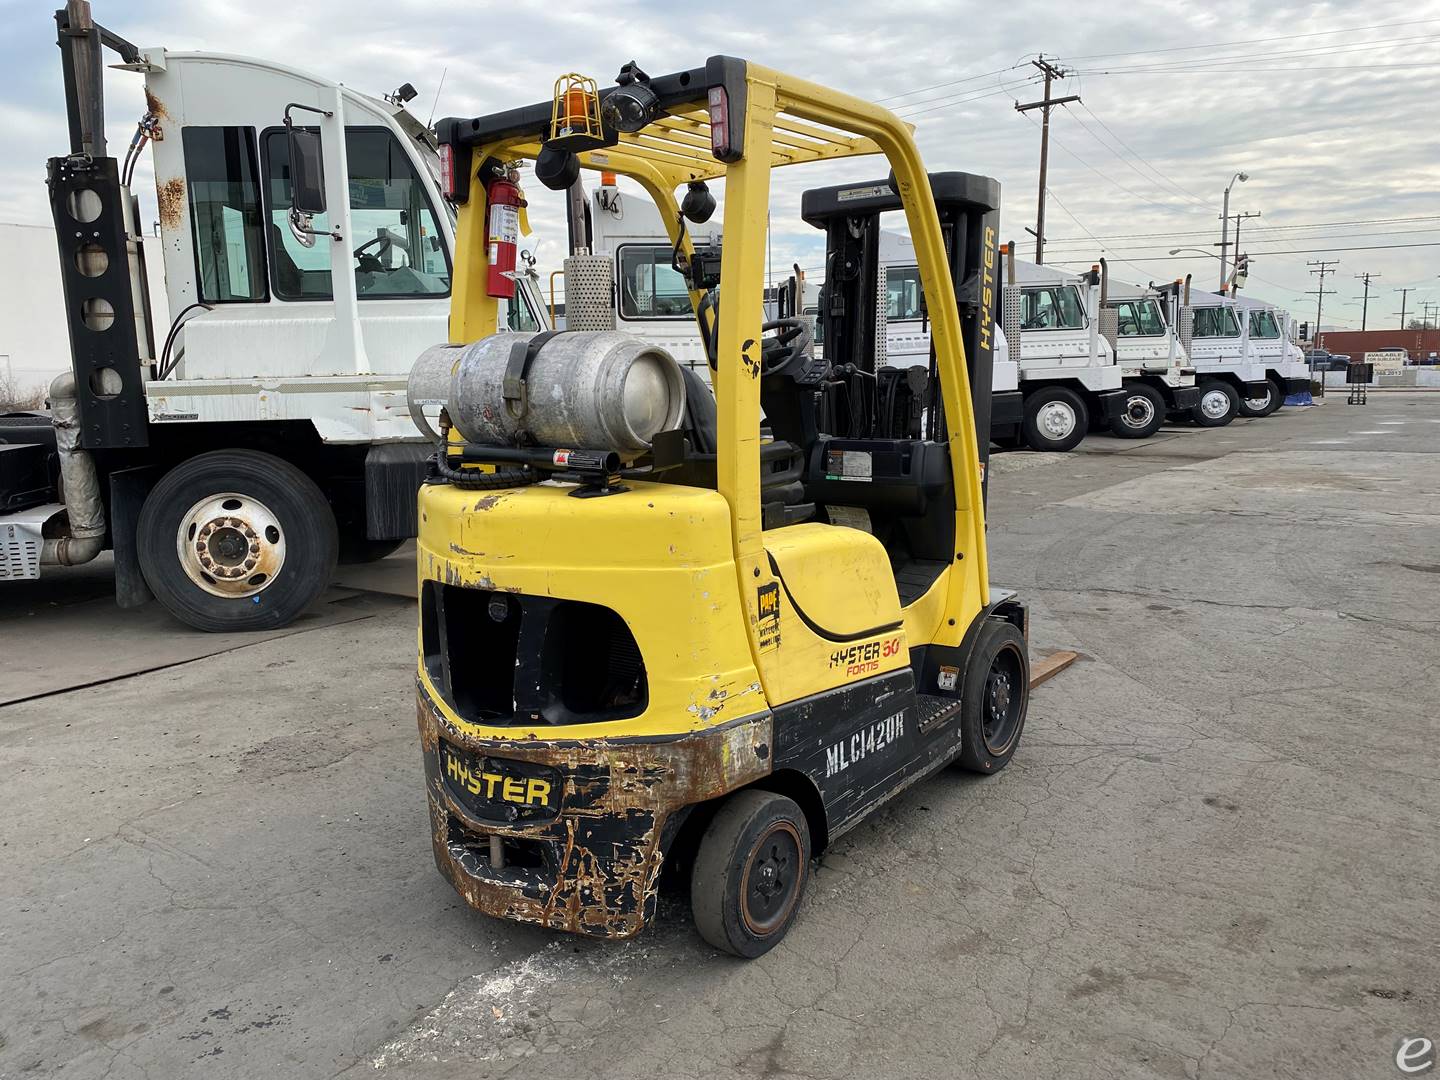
{"x":1329,"y":107}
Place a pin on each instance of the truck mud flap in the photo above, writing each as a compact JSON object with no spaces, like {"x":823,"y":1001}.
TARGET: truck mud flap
{"x":1110,"y":404}
{"x":1178,"y":398}
{"x":393,"y":475}
{"x":1007,"y":409}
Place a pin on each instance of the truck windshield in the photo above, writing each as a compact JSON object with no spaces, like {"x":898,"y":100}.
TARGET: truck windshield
{"x":1263,"y":325}
{"x":650,"y":288}
{"x":902,"y":293}
{"x":1051,"y":308}
{"x":1215,"y":322}
{"x":1140,"y":318}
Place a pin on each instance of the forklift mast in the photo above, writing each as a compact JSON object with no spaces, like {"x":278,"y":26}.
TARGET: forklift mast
{"x":101,"y":261}
{"x":969,"y":209}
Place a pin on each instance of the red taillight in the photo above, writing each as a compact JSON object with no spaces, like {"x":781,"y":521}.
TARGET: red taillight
{"x":447,"y":170}
{"x":719,"y":122}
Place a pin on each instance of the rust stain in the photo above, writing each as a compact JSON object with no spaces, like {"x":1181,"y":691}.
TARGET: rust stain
{"x":156,"y":106}
{"x":488,"y":501}
{"x":171,"y":196}
{"x":608,"y":839}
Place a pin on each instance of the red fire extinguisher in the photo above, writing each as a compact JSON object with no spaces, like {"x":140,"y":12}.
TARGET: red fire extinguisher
{"x":502,"y":233}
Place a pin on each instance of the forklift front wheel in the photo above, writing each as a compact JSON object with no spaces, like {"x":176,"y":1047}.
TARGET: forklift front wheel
{"x":749,"y":873}
{"x":995,"y":698}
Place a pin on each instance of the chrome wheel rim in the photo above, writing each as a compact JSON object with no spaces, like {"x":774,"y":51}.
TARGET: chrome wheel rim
{"x":1056,"y":420}
{"x":1214,"y":404}
{"x":231,"y":545}
{"x":1139,"y":412}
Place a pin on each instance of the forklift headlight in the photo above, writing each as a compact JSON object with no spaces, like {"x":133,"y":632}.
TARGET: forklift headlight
{"x":630,"y":108}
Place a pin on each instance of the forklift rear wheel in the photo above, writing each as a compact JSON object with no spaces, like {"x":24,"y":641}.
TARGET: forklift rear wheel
{"x":1055,"y":419}
{"x":995,"y":698}
{"x":1219,"y":403}
{"x":1143,"y":415}
{"x":236,"y":540}
{"x":749,"y":872}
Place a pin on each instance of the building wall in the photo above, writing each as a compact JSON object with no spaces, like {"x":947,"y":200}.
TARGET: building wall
{"x":34,"y":345}
{"x":1358,"y":342}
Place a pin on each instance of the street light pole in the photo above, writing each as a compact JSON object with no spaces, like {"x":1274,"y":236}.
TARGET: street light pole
{"x":1225,"y":224}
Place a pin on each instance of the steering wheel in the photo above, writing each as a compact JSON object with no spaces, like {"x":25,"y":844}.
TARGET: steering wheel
{"x":787,"y":349}
{"x":375,"y":263}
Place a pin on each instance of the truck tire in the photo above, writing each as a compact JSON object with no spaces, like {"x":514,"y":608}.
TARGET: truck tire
{"x":1144,"y":413}
{"x":1262,"y":406}
{"x":236,"y":540}
{"x":358,"y":549}
{"x":1219,"y":403}
{"x":994,"y":698}
{"x":751,"y":868}
{"x":1278,"y":398}
{"x":1055,"y":419}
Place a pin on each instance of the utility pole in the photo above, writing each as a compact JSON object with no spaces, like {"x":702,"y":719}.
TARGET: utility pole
{"x":1051,"y":72}
{"x":1404,"y":295}
{"x":1322,"y":267}
{"x":1225,"y":232}
{"x":1366,"y":277}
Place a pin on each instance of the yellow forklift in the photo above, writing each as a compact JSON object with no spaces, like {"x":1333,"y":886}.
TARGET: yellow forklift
{"x":653,"y":632}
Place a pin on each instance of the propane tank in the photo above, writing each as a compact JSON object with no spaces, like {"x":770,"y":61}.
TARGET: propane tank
{"x":585,"y":390}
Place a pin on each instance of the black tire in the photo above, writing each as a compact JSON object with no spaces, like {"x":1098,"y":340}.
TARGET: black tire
{"x":1262,"y":406}
{"x":300,"y":533}
{"x":1055,"y":419}
{"x":1215,"y":417}
{"x":750,"y":872}
{"x":1144,"y":413}
{"x":359,"y":549}
{"x":1278,"y":399}
{"x":995,"y":698}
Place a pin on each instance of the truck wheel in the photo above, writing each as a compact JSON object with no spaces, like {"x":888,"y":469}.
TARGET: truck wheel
{"x":1218,"y":404}
{"x":1277,"y":397}
{"x":995,"y":697}
{"x":1264,"y":405}
{"x":1143,"y":415}
{"x":749,"y":872}
{"x":1055,"y":419}
{"x":236,"y":540}
{"x":359,"y":549}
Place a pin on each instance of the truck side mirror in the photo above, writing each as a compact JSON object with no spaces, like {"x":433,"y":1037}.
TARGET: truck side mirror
{"x":307,"y":173}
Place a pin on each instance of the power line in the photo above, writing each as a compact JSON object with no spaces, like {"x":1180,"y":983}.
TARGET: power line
{"x":1198,"y":200}
{"x":1295,"y":225}
{"x":1004,"y":90}
{"x":1255,"y":41}
{"x":1321,"y":267}
{"x":1337,"y":49}
{"x":1366,"y":277}
{"x":953,"y":82}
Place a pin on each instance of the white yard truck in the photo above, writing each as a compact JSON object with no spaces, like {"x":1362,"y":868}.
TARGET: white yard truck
{"x":230,"y":457}
{"x":1270,"y":332}
{"x":1216,"y":335}
{"x":1140,"y":323}
{"x":1070,"y":375}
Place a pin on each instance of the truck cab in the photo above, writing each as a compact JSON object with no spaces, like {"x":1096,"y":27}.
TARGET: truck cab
{"x":1227,"y":368}
{"x":1270,"y":334}
{"x":231,"y":456}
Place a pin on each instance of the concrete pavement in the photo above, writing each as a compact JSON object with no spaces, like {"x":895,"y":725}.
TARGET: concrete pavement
{"x":1213,"y":856}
